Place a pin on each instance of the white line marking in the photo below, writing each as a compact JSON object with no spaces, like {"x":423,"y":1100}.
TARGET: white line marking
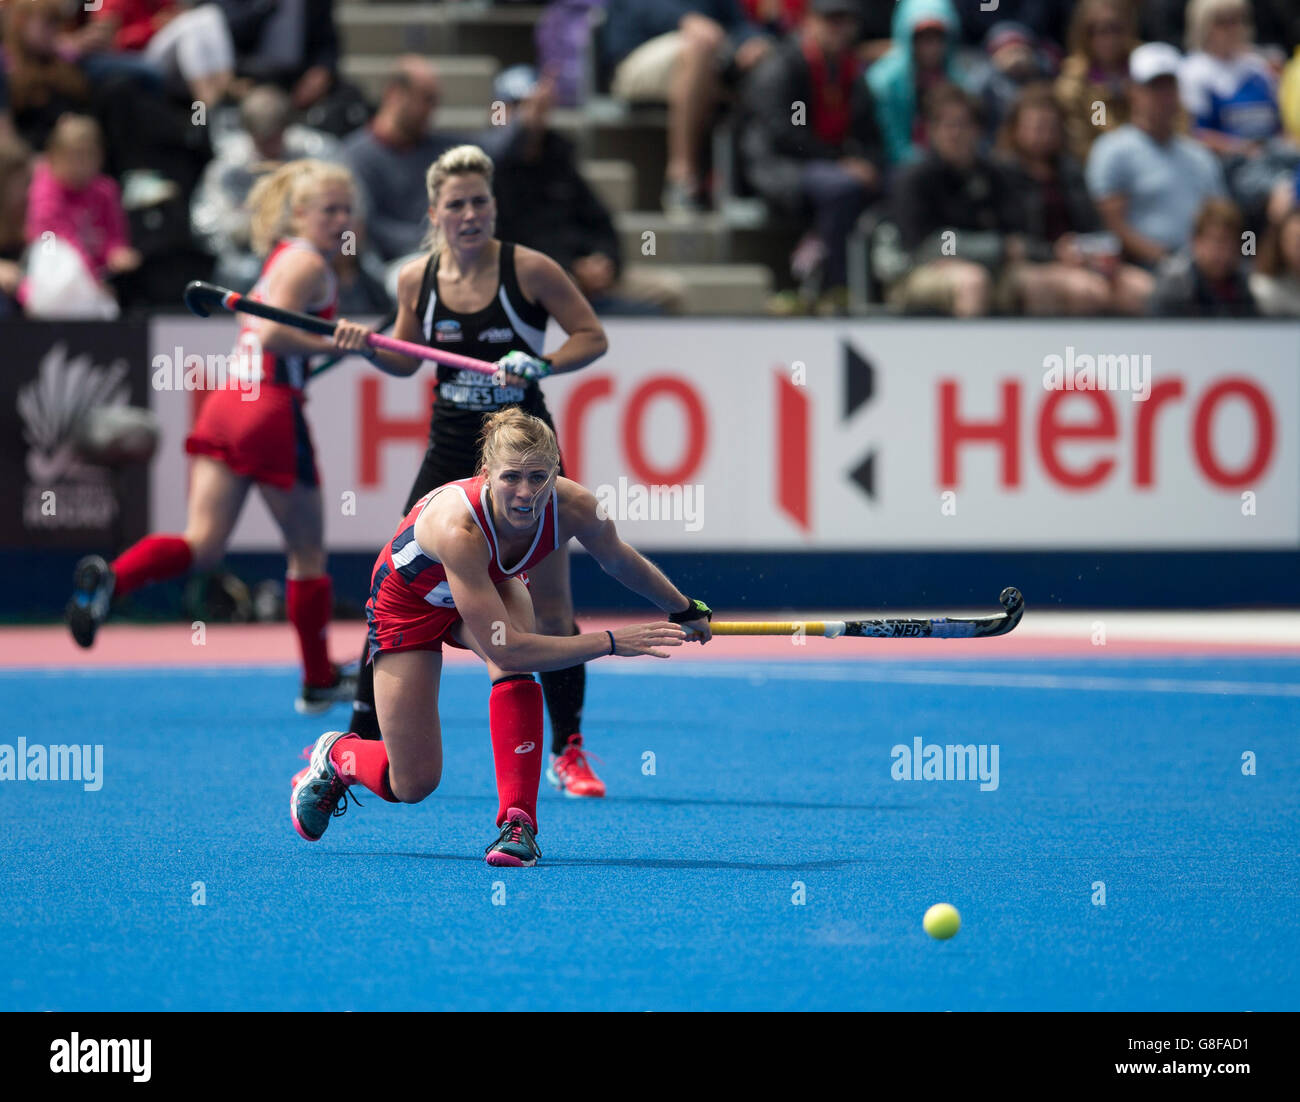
{"x":894,"y":676}
{"x":758,"y":671}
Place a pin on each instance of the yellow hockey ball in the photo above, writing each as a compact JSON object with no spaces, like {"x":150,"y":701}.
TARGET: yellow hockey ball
{"x":941,"y":921}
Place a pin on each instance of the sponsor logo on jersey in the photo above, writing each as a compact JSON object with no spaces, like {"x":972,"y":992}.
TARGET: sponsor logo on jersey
{"x":498,"y":335}
{"x":480,"y":399}
{"x":447,"y":330}
{"x":525,"y":748}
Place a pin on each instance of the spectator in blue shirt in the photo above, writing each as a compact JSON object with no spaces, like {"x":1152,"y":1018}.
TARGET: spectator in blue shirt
{"x":1147,"y":180}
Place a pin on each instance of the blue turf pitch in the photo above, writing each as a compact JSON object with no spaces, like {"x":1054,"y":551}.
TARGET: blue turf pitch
{"x":678,"y":891}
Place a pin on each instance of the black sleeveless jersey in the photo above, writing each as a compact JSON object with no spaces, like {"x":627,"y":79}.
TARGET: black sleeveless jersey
{"x":508,"y":323}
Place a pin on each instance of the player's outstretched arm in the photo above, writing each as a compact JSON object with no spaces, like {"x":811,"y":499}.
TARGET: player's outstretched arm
{"x":582,"y":517}
{"x":464,"y":557}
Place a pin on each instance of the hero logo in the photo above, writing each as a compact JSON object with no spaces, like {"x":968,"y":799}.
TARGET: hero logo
{"x":1056,"y":425}
{"x":667,"y":389}
{"x":525,"y":748}
{"x":794,"y":436}
{"x":496,"y":336}
{"x":1135,"y":446}
{"x":793,"y":433}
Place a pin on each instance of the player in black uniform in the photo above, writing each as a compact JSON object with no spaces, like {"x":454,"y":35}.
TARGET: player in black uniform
{"x":491,"y":299}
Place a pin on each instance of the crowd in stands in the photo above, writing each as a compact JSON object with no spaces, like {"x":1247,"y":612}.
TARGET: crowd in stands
{"x":1040,"y":158}
{"x":1047,"y":157}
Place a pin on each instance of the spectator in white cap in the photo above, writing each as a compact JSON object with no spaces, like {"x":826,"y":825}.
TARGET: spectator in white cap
{"x":1147,"y":180}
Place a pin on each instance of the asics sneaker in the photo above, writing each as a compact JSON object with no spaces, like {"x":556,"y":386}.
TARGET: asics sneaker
{"x":571,"y":773}
{"x":517,"y":845}
{"x":319,"y":793}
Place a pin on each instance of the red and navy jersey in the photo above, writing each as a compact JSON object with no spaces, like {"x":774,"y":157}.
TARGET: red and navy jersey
{"x":271,"y":368}
{"x":405,"y":563}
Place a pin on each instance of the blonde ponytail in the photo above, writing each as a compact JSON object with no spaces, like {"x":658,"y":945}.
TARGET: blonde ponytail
{"x":274,"y":198}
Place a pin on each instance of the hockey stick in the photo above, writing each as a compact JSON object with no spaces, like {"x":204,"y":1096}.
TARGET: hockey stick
{"x":321,"y":368}
{"x":941,"y":627}
{"x":199,"y":296}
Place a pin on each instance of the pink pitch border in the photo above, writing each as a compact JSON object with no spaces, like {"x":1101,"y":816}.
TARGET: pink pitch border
{"x":236,"y":645}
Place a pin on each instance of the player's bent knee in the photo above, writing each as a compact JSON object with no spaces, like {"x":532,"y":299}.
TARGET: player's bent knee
{"x":699,"y":32}
{"x":412,"y":788}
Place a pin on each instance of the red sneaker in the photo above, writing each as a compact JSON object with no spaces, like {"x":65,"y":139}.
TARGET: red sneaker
{"x":571,"y":774}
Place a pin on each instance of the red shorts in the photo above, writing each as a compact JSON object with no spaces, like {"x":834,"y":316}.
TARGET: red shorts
{"x":400,"y":619}
{"x":266,"y":440}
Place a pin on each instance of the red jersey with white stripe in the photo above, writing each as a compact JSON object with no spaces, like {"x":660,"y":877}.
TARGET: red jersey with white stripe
{"x":262,"y":433}
{"x":272,"y":368}
{"x":411,"y":606}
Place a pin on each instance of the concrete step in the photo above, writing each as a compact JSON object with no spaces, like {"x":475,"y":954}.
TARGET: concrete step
{"x":702,"y":239}
{"x":768,"y":245}
{"x":642,"y":152}
{"x":613,"y":181}
{"x":478,"y":117}
{"x":466,"y":81}
{"x":639,"y":139}
{"x":506,"y":34}
{"x":393,"y":29}
{"x":713,"y":289}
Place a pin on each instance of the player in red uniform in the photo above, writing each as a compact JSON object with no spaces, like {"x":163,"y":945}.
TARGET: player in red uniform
{"x":253,"y":432}
{"x":455,"y":573}
{"x":490,"y":299}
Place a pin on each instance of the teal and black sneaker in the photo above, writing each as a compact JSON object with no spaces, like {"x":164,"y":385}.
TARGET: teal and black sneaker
{"x":319,"y":793}
{"x":92,"y":592}
{"x":517,"y":845}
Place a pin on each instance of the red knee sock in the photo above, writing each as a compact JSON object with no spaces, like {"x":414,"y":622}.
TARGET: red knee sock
{"x":153,"y":559}
{"x":364,"y":762}
{"x":308,"y":603}
{"x":515,"y":715}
